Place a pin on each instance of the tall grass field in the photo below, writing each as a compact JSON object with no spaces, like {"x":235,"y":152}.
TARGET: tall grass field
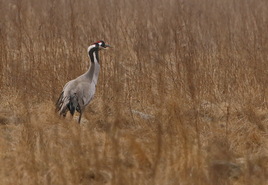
{"x":182,"y":97}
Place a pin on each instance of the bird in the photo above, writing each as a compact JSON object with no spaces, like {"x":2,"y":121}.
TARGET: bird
{"x":79,"y":92}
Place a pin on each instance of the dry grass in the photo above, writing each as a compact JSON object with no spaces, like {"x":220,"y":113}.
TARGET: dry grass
{"x":181,"y":99}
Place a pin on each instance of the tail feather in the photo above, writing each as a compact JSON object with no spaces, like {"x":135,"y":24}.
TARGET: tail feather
{"x":73,"y":104}
{"x":68,"y":103}
{"x":61,"y":105}
{"x":59,"y":102}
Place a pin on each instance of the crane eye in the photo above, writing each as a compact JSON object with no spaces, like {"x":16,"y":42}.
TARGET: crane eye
{"x":102,"y":44}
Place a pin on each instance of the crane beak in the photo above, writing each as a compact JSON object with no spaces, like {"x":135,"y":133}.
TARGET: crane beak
{"x":107,"y":46}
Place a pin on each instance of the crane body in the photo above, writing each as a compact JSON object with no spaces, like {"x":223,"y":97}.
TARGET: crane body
{"x":78,"y":93}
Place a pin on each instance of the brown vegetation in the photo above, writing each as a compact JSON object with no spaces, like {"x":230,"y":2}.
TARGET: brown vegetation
{"x":181,"y":99}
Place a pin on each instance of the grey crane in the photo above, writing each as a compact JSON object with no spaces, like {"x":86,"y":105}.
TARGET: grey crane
{"x":78,"y":93}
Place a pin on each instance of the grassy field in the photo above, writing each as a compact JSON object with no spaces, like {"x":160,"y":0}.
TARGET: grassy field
{"x":181,"y":98}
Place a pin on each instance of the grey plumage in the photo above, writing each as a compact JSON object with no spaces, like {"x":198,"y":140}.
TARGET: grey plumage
{"x":78,"y":93}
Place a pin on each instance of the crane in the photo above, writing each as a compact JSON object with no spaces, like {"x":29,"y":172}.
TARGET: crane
{"x":79,"y":92}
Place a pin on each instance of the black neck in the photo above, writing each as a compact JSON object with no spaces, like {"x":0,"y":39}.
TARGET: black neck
{"x":90,"y":53}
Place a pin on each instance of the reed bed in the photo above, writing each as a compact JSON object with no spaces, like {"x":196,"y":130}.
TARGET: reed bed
{"x":181,"y":98}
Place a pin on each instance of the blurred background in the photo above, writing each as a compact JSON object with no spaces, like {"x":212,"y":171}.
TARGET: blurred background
{"x":181,"y":97}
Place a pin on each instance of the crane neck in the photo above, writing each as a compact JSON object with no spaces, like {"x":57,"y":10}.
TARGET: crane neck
{"x":93,"y":72}
{"x":94,"y":55}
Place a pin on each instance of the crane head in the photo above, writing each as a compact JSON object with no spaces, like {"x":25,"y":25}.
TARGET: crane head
{"x":97,"y":46}
{"x":101,"y":44}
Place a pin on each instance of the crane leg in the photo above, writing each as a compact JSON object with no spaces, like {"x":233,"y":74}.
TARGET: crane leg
{"x":80,"y":109}
{"x":80,"y":116}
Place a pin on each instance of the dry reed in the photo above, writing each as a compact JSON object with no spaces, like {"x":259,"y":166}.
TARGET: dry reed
{"x":181,"y":97}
